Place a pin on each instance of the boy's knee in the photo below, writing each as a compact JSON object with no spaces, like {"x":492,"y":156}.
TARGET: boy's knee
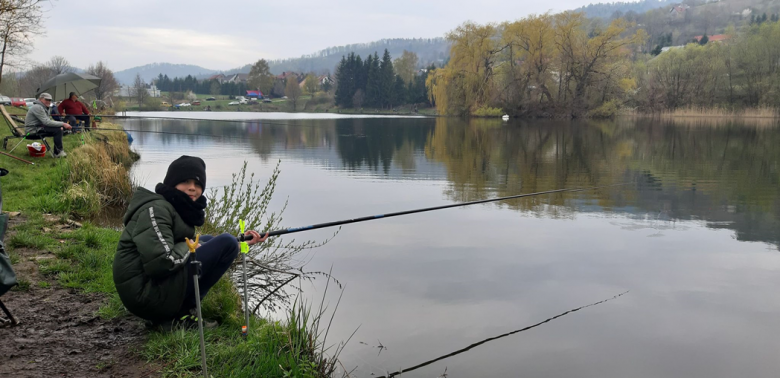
{"x":231,"y":244}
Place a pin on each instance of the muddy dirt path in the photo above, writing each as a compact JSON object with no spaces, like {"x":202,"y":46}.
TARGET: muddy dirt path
{"x":60,"y":335}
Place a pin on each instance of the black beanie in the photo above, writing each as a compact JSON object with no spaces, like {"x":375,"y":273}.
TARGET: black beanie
{"x":185,"y":168}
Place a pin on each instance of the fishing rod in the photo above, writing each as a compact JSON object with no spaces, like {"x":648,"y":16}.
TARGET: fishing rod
{"x":242,"y":237}
{"x":20,"y":159}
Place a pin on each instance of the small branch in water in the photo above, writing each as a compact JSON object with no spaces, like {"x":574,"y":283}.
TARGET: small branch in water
{"x":459,"y":351}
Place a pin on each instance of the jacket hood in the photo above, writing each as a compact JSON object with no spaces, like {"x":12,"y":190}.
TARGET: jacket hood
{"x":141,"y":197}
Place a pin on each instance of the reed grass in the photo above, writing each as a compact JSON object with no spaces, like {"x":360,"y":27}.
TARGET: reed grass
{"x":99,"y":172}
{"x":761,"y":112}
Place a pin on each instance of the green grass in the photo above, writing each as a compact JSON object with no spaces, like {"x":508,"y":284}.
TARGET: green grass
{"x":22,"y":285}
{"x":271,"y":349}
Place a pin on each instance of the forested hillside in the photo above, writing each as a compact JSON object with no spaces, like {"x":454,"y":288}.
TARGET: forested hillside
{"x":618,"y":9}
{"x":428,"y":50}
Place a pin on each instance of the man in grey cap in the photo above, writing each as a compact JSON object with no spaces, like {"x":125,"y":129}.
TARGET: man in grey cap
{"x":39,"y":121}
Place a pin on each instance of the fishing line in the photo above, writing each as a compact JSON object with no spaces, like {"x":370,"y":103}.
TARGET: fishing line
{"x":459,"y":351}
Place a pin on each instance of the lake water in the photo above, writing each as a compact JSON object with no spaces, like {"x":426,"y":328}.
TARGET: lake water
{"x":694,"y":237}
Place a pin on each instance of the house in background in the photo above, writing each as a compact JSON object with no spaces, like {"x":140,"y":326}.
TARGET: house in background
{"x":678,"y":10}
{"x":219,"y":78}
{"x":287,"y":74}
{"x":234,"y":78}
{"x":325,"y":79}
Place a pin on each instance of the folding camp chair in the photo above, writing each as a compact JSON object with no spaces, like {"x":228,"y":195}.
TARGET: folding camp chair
{"x":18,"y":132}
{"x":7,"y":276}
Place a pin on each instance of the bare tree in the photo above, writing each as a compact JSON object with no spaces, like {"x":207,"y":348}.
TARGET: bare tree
{"x":358,"y":98}
{"x":138,"y":90}
{"x":59,"y":65}
{"x":30,"y":83}
{"x":293,"y":90}
{"x":10,"y":84}
{"x":108,"y":84}
{"x":20,"y":20}
{"x":215,"y":88}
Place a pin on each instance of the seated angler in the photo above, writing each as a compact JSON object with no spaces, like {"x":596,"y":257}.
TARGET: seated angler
{"x":74,"y":110}
{"x":38,"y":121}
{"x":150,"y":271}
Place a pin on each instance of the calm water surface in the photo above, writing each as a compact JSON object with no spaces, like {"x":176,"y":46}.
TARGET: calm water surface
{"x":694,"y":237}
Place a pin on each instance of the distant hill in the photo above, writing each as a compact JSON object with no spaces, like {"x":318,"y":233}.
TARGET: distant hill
{"x":151,"y":71}
{"x":428,"y":50}
{"x":608,"y":10}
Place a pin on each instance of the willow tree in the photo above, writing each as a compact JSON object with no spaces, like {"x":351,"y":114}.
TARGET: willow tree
{"x":587,"y":54}
{"x":466,"y":83}
{"x":531,"y":41}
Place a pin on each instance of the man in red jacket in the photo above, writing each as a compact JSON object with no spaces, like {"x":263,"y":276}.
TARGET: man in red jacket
{"x":73,"y":110}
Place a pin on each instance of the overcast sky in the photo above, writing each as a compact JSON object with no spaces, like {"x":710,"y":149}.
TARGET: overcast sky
{"x":225,"y":34}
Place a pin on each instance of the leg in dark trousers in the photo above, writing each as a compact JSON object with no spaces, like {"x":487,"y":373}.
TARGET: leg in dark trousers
{"x":56,"y":133}
{"x":84,"y":118}
{"x":215,"y":254}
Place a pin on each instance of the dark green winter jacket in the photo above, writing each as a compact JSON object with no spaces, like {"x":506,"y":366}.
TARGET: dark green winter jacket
{"x":150,"y":270}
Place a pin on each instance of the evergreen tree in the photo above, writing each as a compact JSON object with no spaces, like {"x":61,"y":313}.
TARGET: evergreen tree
{"x":360,"y":75}
{"x":657,"y":50}
{"x":703,"y":41}
{"x":343,"y":79}
{"x":373,"y":89}
{"x":399,"y":92}
{"x":386,"y":80}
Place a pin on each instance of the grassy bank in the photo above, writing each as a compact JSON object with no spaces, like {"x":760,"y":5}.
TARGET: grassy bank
{"x":54,"y":192}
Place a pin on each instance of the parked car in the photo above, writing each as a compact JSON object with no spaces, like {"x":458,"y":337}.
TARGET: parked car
{"x":211,"y":99}
{"x":5,"y":100}
{"x":165,"y":104}
{"x":233,"y":103}
{"x":29,"y":101}
{"x":243,"y":101}
{"x":196,"y":103}
{"x":18,"y":101}
{"x":267,"y":100}
{"x":184,"y":104}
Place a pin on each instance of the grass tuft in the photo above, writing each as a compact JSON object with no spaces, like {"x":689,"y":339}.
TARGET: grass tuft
{"x":28,"y":239}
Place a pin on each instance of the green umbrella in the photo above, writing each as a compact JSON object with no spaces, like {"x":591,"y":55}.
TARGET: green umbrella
{"x":61,"y":85}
